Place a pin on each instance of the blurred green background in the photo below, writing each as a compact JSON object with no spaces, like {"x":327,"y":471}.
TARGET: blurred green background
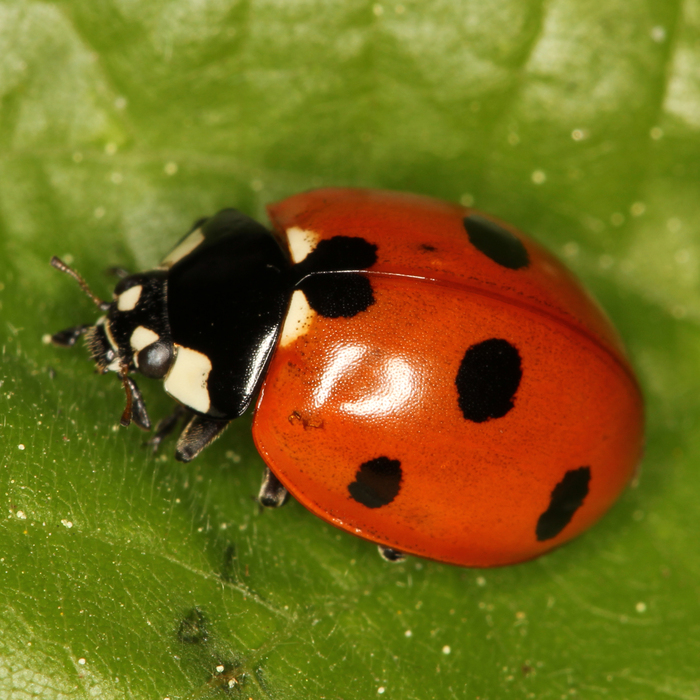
{"x":128,"y":575}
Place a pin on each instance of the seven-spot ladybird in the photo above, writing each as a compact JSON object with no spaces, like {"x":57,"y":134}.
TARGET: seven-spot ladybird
{"x":428,"y":378}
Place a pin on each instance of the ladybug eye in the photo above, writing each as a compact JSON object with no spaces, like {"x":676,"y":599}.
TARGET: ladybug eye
{"x":155,"y":359}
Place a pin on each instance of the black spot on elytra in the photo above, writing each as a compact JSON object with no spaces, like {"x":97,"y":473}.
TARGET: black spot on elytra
{"x":344,"y":295}
{"x":339,"y":254}
{"x":566,"y":498}
{"x":496,"y":242}
{"x":487,"y":379}
{"x":377,"y":483}
{"x":329,"y":280}
{"x":193,"y":628}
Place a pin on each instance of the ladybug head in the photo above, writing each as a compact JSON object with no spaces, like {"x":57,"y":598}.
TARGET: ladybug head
{"x":133,"y":335}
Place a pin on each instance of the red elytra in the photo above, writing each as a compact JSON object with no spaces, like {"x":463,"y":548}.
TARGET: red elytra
{"x":480,"y":411}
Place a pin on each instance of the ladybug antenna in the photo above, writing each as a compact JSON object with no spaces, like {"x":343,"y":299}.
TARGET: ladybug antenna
{"x":60,"y":265}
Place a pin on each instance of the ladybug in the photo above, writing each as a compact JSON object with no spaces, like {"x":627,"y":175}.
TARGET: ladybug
{"x":427,"y":377}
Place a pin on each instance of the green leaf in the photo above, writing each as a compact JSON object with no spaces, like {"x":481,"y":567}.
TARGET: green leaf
{"x":129,"y":575}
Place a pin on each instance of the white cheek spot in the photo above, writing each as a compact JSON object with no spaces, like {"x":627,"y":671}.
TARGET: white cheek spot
{"x":127,"y":300}
{"x":298,"y":319}
{"x":183,"y":248}
{"x":104,"y":322}
{"x":301,"y":242}
{"x":142,"y":337}
{"x":187,"y":379}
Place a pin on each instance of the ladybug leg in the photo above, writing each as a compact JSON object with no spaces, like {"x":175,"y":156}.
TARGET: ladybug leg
{"x":166,"y":426}
{"x":135,"y":406}
{"x":272,"y":493}
{"x":68,"y":337}
{"x":391,"y":555}
{"x":198,"y":433}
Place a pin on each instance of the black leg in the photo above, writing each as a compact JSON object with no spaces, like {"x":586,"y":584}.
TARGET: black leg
{"x":198,"y":433}
{"x":135,"y":406}
{"x":167,"y":425}
{"x":272,"y":493}
{"x":389,"y":554}
{"x":68,"y":337}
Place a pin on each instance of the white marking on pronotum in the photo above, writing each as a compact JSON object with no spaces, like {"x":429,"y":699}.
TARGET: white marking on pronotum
{"x":301,"y":242}
{"x":183,"y":248}
{"x":142,"y":337}
{"x":127,"y":300}
{"x":187,"y":379}
{"x":298,"y":319}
